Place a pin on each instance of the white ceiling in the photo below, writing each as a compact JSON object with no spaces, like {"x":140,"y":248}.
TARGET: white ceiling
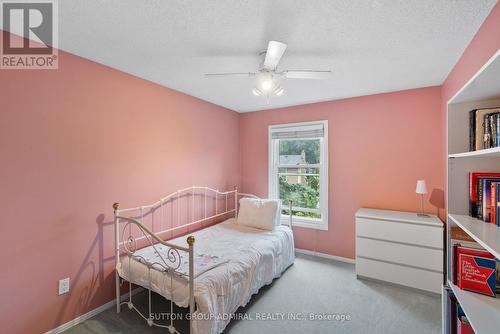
{"x":371,"y":46}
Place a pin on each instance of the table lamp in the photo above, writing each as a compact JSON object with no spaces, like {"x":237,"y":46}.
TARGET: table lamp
{"x":421,"y":190}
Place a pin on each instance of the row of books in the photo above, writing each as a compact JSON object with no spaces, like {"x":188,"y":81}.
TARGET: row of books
{"x":472,"y":267}
{"x":484,"y":196}
{"x":459,"y":324}
{"x":484,"y":128}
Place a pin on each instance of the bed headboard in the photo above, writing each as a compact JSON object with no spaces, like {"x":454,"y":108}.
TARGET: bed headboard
{"x":185,"y":208}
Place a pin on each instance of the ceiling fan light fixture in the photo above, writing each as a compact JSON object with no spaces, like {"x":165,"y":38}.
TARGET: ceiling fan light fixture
{"x":279,"y":91}
{"x":268,"y":77}
{"x":256,"y":92}
{"x":265,"y":83}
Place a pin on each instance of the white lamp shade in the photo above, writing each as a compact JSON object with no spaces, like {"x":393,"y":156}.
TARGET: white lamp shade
{"x":421,"y":187}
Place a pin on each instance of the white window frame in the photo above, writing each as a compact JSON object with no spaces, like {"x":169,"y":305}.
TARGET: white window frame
{"x":273,"y":157}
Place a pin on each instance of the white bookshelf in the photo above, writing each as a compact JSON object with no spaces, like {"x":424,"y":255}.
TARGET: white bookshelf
{"x":490,"y":152}
{"x":482,"y":91}
{"x":485,"y":234}
{"x":482,"y":311}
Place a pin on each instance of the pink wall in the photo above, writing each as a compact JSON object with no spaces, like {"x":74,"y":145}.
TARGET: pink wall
{"x":73,"y":141}
{"x":379,"y":146}
{"x":77,"y":139}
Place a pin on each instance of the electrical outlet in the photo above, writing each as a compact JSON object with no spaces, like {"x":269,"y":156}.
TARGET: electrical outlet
{"x":63,"y":286}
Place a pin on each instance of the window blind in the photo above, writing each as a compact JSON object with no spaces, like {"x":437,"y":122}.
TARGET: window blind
{"x":294,"y":132}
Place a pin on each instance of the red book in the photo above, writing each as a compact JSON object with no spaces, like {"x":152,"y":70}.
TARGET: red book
{"x":464,"y":326}
{"x":468,"y":251}
{"x":477,"y":274}
{"x":473,"y":178}
{"x":493,"y":203}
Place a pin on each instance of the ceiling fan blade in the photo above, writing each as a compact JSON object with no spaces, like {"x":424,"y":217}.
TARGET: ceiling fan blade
{"x":274,"y":53}
{"x":307,"y":74}
{"x":230,"y":74}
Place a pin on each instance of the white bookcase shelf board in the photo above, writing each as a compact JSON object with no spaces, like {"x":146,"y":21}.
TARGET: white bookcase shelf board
{"x":489,"y":152}
{"x":482,"y":311}
{"x":484,"y":85}
{"x":482,"y":91}
{"x":485,"y":234}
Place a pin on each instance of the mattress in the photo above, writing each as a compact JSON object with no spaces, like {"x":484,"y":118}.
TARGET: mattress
{"x":241,"y":260}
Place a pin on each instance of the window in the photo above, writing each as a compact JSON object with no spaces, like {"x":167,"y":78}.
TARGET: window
{"x":298,"y":171}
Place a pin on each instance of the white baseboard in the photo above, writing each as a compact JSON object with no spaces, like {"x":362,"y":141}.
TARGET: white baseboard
{"x":326,"y":256}
{"x":91,"y":313}
{"x":112,"y":303}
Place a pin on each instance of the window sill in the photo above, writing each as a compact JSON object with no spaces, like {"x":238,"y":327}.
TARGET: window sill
{"x":305,"y":223}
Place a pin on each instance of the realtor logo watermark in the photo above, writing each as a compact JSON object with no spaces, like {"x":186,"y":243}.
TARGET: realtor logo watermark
{"x":29,"y":34}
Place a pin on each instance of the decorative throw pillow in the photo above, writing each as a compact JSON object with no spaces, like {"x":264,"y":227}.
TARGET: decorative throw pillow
{"x":259,"y":213}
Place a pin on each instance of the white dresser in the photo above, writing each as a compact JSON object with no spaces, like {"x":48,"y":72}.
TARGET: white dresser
{"x":400,"y":247}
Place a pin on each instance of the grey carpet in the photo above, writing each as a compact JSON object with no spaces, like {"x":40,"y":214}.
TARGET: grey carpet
{"x":311,"y":286}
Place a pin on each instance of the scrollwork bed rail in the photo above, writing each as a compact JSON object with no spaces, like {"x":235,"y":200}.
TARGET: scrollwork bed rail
{"x":131,"y":230}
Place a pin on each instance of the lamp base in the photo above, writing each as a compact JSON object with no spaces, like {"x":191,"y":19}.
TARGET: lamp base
{"x":423,"y":215}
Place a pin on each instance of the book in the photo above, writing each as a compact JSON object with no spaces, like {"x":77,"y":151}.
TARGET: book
{"x":490,"y":130}
{"x":463,"y":326}
{"x":472,"y":130}
{"x":483,"y":197}
{"x":459,"y":314}
{"x":477,"y":274}
{"x":493,"y":202}
{"x":479,"y":206}
{"x":453,"y":263}
{"x":457,"y":234}
{"x":498,"y":276}
{"x":486,"y":200}
{"x":498,"y":129}
{"x":453,"y":311}
{"x":479,"y":126}
{"x":473,"y":188}
{"x":498,"y":206}
{"x":493,"y":129}
{"x":486,"y":132}
{"x":467,"y":245}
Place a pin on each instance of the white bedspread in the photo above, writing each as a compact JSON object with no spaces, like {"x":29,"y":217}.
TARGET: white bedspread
{"x":246,"y":260}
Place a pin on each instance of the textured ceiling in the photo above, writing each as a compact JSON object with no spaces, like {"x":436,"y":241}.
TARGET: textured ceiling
{"x":371,"y":46}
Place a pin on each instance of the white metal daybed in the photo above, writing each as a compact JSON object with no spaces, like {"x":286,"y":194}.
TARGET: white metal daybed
{"x":213,"y":276}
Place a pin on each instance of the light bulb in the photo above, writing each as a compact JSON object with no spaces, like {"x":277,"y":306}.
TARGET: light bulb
{"x":265,"y":83}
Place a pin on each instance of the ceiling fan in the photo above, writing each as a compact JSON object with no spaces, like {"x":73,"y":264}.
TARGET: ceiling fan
{"x":266,"y":83}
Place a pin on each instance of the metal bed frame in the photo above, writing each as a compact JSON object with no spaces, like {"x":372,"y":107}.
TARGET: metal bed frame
{"x":170,"y":263}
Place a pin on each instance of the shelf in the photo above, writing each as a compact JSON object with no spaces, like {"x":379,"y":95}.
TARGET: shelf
{"x":485,"y":234}
{"x":483,"y":85}
{"x":483,"y":312}
{"x":489,"y":152}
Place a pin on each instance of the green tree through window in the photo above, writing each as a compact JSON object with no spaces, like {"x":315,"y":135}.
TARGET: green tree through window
{"x":298,"y":178}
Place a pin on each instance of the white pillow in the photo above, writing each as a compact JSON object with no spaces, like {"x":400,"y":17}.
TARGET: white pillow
{"x":259,"y":213}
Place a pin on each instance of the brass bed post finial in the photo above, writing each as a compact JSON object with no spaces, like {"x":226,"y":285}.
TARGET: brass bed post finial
{"x":116,"y":205}
{"x":190,"y":240}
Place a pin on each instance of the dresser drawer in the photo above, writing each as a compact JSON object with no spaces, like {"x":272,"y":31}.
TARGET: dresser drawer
{"x":424,"y":235}
{"x":426,"y":258}
{"x":416,"y":278}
